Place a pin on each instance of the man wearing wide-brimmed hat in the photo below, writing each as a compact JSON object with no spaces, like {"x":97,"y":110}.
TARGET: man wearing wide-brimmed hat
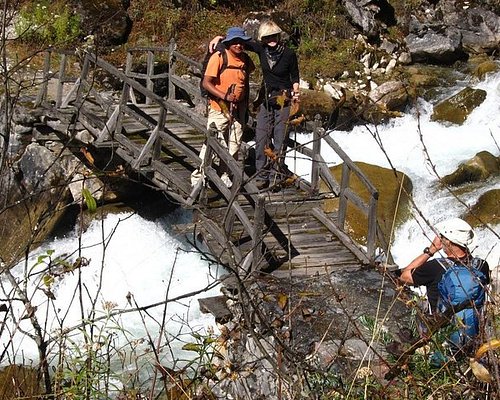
{"x":227,"y":89}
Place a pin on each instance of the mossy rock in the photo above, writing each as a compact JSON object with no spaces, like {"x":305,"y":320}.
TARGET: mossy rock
{"x":313,"y":102}
{"x":484,"y":68}
{"x":486,"y":209}
{"x":27,"y":223}
{"x":479,"y":168}
{"x":393,"y":199}
{"x":457,"y":108}
{"x":17,"y":381}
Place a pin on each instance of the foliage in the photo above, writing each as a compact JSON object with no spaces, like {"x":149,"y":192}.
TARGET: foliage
{"x":49,"y":23}
{"x":376,"y":329}
{"x":83,"y":367}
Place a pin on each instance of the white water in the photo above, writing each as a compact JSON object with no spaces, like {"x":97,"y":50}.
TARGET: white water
{"x":140,"y":255}
{"x":127,"y":254}
{"x":447,"y":147}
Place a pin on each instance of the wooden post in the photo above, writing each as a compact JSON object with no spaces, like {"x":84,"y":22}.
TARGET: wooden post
{"x":128,"y":70}
{"x":171,"y":69}
{"x":258,"y":222}
{"x":123,"y":102}
{"x":83,"y":79}
{"x":344,"y":186}
{"x":371,"y":240}
{"x":60,"y":83}
{"x":42,"y":93}
{"x":159,"y":128}
{"x":316,"y":159}
{"x":149,"y":73}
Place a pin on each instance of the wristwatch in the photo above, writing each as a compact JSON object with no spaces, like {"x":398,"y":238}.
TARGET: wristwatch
{"x":427,"y":251}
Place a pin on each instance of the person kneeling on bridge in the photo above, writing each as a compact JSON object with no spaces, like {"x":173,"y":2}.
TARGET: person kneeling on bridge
{"x":226,"y":81}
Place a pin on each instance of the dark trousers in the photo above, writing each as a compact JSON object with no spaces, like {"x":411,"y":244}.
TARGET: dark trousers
{"x":271,"y":131}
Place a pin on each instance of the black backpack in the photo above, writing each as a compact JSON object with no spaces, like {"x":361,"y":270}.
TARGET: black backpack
{"x":221,"y":50}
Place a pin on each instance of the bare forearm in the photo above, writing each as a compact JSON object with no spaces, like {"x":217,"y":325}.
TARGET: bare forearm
{"x":407,"y":273}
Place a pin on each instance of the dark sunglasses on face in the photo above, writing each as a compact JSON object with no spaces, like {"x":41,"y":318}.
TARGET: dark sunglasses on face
{"x":237,"y":41}
{"x":270,"y":38}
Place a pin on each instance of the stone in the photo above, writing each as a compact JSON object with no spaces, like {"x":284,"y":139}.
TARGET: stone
{"x":390,"y":66}
{"x":35,"y":194}
{"x":486,"y":210}
{"x":392,"y":200}
{"x":479,"y":28}
{"x":457,"y":108}
{"x":479,"y":168}
{"x":370,"y":16}
{"x":391,"y":95}
{"x":443,"y":47}
{"x":387,"y":46}
{"x":404,"y":58}
{"x":84,"y":136}
{"x":40,"y":168}
{"x":484,"y":68}
{"x":80,"y":177}
{"x":314,"y":103}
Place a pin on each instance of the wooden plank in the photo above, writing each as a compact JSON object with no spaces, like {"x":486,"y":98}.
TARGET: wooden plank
{"x":320,"y":215}
{"x":313,"y":271}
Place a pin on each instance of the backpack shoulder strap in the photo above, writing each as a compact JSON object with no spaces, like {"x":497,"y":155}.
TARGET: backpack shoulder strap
{"x":224,"y":60}
{"x":445,"y":263}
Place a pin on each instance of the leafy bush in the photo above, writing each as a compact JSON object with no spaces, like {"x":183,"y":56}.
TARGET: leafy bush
{"x":46,"y":22}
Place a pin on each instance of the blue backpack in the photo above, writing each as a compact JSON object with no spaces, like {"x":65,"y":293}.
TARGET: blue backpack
{"x":460,"y":284}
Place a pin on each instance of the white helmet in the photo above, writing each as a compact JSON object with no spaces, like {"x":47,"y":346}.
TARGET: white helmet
{"x":457,"y":231}
{"x":268,"y":28}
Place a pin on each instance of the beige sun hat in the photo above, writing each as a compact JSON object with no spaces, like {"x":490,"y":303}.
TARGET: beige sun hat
{"x":268,"y":28}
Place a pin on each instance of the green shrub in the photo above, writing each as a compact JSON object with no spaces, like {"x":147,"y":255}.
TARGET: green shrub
{"x":48,"y":23}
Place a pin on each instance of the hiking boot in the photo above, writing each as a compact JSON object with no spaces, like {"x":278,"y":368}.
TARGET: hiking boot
{"x":226,"y":180}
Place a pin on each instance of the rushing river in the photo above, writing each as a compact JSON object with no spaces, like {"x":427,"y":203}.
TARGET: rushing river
{"x":403,"y":141}
{"x":135,"y":262}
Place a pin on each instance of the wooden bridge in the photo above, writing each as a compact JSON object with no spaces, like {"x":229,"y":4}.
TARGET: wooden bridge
{"x":160,"y":137}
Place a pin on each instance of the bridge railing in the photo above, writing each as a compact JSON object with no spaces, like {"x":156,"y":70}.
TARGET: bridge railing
{"x":320,"y":171}
{"x":150,"y":151}
{"x":133,"y":82}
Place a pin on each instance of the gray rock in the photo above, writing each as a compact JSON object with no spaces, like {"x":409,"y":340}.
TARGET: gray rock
{"x":370,"y":16}
{"x":388,"y":46}
{"x":40,"y":168}
{"x":433,"y":46}
{"x":480,"y":29}
{"x":391,"y":95}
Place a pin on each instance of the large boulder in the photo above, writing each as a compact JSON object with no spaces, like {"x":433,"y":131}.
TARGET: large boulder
{"x":449,"y":31}
{"x":394,"y":193}
{"x":436,"y":44}
{"x":486,"y":210}
{"x":385,"y":101}
{"x":107,"y":20}
{"x":35,"y":196}
{"x":392,"y":95}
{"x":370,"y":16}
{"x":479,"y":28}
{"x":314,"y":102}
{"x":479,"y":168}
{"x":457,"y":108}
